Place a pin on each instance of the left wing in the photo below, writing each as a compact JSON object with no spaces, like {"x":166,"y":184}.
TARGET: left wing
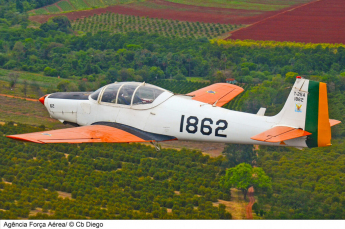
{"x":216,"y":94}
{"x":279,"y":134}
{"x":99,"y":132}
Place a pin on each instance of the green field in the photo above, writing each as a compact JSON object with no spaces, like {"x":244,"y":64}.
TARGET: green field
{"x":197,"y":79}
{"x":53,"y":9}
{"x":43,"y":81}
{"x":95,"y":3}
{"x":263,"y":5}
{"x":79,"y":4}
{"x":41,"y":11}
{"x":65,"y":6}
{"x":118,"y":23}
{"x":26,"y":112}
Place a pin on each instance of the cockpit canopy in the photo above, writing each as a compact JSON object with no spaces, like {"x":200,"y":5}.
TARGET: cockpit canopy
{"x":128,"y":93}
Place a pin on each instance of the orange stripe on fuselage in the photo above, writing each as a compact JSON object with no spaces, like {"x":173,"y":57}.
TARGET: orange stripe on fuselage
{"x":324,"y":128}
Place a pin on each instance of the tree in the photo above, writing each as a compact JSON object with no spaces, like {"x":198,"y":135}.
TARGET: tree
{"x":13,"y":76}
{"x":243,"y":176}
{"x":219,"y":77}
{"x":25,"y":87}
{"x":238,"y":153}
{"x":290,"y":77}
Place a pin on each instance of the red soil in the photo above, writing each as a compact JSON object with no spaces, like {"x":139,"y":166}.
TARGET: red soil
{"x":322,"y":21}
{"x":174,"y":11}
{"x":251,"y":202}
{"x":17,"y":97}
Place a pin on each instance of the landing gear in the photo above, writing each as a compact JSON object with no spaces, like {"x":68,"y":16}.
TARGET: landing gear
{"x":156,"y":145}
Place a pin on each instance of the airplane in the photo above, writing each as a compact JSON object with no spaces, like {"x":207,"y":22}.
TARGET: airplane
{"x":125,"y":112}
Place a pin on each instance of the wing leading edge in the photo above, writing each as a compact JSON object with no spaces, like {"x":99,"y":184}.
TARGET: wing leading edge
{"x":98,"y":132}
{"x":216,"y":94}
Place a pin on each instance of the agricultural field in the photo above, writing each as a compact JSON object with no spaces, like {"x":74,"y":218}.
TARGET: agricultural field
{"x":172,"y":11}
{"x":235,"y":104}
{"x":65,"y":6}
{"x":40,"y":79}
{"x":118,"y":23}
{"x":26,"y":112}
{"x":317,"y":22}
{"x":53,"y":9}
{"x":41,"y":11}
{"x":107,"y":181}
{"x":79,"y":4}
{"x":95,"y":3}
{"x":180,"y":87}
{"x":264,"y":5}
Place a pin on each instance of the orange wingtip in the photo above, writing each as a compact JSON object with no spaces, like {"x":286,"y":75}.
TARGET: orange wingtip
{"x":280,"y":134}
{"x":334,"y":122}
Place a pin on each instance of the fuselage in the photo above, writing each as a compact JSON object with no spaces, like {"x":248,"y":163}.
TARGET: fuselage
{"x":169,"y":114}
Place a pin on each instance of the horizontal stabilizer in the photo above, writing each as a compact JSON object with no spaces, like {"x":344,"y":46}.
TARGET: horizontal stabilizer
{"x":334,"y":122}
{"x":279,"y":134}
{"x":100,"y":132}
{"x":216,"y":94}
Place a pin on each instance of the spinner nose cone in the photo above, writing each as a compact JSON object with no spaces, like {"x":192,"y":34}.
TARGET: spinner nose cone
{"x":42,"y":99}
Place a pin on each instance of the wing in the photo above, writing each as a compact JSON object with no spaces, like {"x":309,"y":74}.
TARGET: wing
{"x":100,"y":132}
{"x":216,"y":94}
{"x":279,"y":134}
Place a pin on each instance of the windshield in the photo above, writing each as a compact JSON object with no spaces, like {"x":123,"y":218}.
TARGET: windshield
{"x":146,"y":95}
{"x":128,"y":93}
{"x":95,"y":94}
{"x":110,"y":93}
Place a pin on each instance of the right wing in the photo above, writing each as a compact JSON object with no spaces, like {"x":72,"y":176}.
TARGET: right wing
{"x":216,"y":94}
{"x":279,"y":134}
{"x":99,"y":132}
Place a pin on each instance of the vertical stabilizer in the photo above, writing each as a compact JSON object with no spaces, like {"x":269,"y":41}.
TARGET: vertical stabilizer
{"x":307,"y":108}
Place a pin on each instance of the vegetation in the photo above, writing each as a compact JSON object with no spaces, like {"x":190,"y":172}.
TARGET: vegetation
{"x":263,"y":5}
{"x":106,"y":181}
{"x":134,"y":181}
{"x":118,"y":23}
{"x":53,"y":9}
{"x":243,"y":175}
{"x":79,"y":4}
{"x":65,"y":6}
{"x":307,"y":184}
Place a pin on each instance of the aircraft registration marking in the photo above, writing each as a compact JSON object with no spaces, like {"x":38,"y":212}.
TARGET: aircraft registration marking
{"x":205,"y":128}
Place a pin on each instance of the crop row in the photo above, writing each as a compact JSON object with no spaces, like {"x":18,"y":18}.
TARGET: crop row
{"x":125,"y":23}
{"x":72,"y":5}
{"x":183,"y":87}
{"x":235,"y":103}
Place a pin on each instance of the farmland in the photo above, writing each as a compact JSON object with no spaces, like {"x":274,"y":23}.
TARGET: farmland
{"x":116,"y":23}
{"x":79,"y":4}
{"x":171,"y":11}
{"x":317,"y":22}
{"x":114,"y":181}
{"x":53,"y":9}
{"x":65,"y":6}
{"x":264,"y":5}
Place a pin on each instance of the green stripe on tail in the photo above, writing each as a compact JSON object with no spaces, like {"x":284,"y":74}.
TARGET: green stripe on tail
{"x":311,"y":122}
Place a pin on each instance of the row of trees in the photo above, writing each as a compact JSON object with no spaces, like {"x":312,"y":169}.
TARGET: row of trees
{"x":109,"y":181}
{"x":54,"y":49}
{"x":118,"y":23}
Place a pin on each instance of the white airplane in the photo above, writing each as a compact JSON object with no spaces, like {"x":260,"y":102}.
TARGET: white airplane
{"x":140,"y":112}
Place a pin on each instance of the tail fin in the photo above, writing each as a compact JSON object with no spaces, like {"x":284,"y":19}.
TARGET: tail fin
{"x":307,"y":108}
